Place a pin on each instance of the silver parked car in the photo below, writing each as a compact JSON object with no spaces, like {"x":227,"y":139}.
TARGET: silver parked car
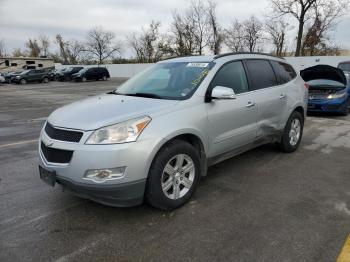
{"x":154,"y":137}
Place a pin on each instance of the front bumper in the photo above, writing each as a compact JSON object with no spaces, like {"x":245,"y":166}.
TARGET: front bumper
{"x":122,"y":195}
{"x":125,"y":191}
{"x":328,"y":105}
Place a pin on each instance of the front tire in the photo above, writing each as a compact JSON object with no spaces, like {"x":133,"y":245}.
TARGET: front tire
{"x":346,"y":109}
{"x":22,"y":81}
{"x":292,"y":133}
{"x":83,"y":79}
{"x":173,"y":176}
{"x":45,"y":80}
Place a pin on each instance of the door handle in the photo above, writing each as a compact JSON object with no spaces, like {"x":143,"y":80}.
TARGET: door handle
{"x":250,"y":104}
{"x":282,"y":96}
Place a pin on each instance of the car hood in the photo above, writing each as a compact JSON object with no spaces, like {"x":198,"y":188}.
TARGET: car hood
{"x":107,"y":109}
{"x":323,"y":72}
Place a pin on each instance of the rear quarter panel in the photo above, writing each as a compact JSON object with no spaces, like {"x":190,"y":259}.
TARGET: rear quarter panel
{"x":297,"y":95}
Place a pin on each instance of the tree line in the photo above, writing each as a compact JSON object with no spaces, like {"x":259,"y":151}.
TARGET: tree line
{"x":198,"y":31}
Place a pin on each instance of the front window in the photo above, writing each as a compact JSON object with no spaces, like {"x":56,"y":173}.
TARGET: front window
{"x":177,"y":80}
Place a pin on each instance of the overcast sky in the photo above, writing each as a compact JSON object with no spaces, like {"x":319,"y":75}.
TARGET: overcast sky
{"x":23,"y":19}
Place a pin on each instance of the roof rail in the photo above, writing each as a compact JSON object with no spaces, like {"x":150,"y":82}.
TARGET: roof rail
{"x":172,"y":57}
{"x":245,"y":53}
{"x":179,"y":56}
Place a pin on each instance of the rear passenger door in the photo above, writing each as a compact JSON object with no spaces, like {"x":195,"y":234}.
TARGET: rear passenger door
{"x":232,"y":122}
{"x":269,"y":96}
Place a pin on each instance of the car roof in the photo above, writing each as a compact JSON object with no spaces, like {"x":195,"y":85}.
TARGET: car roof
{"x":210,"y":58}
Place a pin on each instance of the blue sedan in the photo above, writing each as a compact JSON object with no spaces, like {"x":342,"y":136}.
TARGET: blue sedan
{"x":329,"y":89}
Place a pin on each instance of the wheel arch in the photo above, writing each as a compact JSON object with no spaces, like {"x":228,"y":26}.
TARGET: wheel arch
{"x":190,"y":137}
{"x":301,"y":110}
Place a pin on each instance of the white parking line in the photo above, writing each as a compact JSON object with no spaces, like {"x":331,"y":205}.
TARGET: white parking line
{"x":19,"y":143}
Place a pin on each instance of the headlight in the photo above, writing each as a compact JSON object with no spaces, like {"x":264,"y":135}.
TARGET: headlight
{"x":336,"y":95}
{"x":127,"y":131}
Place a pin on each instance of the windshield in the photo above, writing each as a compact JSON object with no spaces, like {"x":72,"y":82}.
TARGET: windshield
{"x":344,"y":66}
{"x":177,"y":80}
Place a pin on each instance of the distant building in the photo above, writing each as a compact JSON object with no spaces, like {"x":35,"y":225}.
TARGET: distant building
{"x":8,"y":64}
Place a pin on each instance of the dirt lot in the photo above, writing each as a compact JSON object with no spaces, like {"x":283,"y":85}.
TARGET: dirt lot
{"x":260,"y":206}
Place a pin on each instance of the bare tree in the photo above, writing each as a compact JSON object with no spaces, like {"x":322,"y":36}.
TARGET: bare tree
{"x":325,"y":15}
{"x":62,"y":47}
{"x":253,"y":29}
{"x":74,"y":49}
{"x":3,"y":51}
{"x":34,"y":49}
{"x":234,"y":39}
{"x":18,"y":52}
{"x":216,"y":36}
{"x":300,"y":9}
{"x":44,"y":43}
{"x":276,"y":28}
{"x":101,"y":44}
{"x":193,"y":31}
{"x":70,"y":52}
{"x":182,"y":35}
{"x":197,"y":17}
{"x":148,"y":45}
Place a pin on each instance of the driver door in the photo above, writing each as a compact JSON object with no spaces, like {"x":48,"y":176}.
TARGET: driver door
{"x":232,"y":123}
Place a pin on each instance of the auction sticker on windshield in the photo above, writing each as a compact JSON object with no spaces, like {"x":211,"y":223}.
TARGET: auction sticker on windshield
{"x":197,"y":64}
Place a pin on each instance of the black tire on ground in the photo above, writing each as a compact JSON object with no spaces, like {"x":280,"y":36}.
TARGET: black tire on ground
{"x":22,"y":81}
{"x":45,"y":80}
{"x":285,"y":144}
{"x":154,"y":193}
{"x":83,"y":79}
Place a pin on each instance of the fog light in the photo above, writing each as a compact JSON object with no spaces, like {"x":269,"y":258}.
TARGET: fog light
{"x":101,"y":175}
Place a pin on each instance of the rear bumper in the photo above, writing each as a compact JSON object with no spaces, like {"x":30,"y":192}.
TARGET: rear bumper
{"x":120,"y":195}
{"x":331,"y":106}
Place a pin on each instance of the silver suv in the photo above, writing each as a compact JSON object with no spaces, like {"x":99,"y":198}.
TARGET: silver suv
{"x":154,"y":137}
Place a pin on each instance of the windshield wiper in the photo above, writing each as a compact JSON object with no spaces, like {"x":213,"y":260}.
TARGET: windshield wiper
{"x":114,"y":93}
{"x":148,"y":95}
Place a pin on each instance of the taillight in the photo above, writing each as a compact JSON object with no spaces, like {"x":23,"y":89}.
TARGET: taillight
{"x":306,"y":85}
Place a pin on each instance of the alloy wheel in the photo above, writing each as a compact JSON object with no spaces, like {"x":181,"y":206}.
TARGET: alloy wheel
{"x":294,"y":133}
{"x":178,"y":176}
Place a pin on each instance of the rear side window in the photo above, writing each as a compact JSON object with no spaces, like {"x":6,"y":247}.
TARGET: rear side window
{"x":231,"y":75}
{"x":284,"y":72}
{"x":260,"y":73}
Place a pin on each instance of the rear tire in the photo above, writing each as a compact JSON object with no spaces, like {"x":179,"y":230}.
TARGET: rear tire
{"x":45,"y":80}
{"x":173,"y":176}
{"x":292,"y":133}
{"x":104,"y":78}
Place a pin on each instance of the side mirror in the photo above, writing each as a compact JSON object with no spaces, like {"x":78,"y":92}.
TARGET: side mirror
{"x":221,"y":92}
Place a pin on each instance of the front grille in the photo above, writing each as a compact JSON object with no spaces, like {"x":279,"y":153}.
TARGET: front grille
{"x":54,"y":155}
{"x":63,"y":135}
